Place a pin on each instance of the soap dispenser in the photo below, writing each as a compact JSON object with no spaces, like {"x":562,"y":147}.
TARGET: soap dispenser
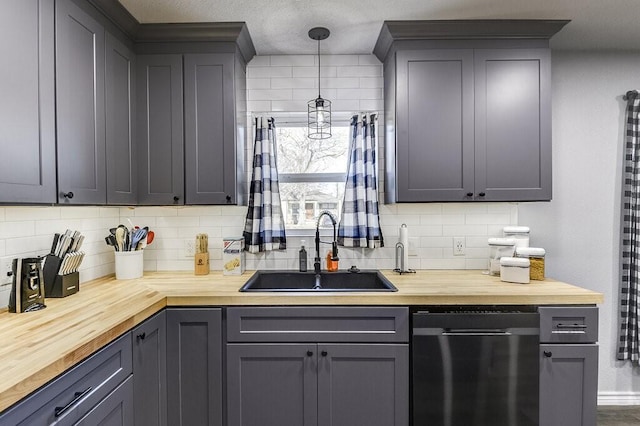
{"x":302,"y":257}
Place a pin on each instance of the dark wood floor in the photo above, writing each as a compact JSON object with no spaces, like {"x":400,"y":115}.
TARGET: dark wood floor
{"x":618,"y":415}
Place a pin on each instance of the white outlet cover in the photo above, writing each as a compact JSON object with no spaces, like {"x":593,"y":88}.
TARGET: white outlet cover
{"x":458,"y":246}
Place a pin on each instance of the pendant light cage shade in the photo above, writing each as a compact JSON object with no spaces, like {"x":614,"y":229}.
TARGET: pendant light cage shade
{"x":319,"y":109}
{"x":319,"y":118}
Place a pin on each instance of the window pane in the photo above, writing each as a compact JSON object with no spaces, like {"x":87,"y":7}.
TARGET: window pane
{"x":315,"y":197}
{"x":299,"y":154}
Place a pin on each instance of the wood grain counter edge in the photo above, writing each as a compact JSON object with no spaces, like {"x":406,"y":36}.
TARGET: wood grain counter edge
{"x":144,"y":297}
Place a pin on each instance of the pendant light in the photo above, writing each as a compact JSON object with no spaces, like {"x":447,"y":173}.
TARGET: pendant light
{"x":319,"y":109}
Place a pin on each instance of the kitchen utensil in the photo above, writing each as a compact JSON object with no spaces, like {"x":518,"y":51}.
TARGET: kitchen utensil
{"x":150,"y":236}
{"x":137,"y":236}
{"x":120,"y":237}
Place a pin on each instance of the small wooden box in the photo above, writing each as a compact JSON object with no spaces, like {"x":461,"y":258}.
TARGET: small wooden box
{"x":201,"y":263}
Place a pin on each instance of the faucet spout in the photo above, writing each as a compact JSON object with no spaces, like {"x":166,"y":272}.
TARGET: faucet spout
{"x":334,"y":243}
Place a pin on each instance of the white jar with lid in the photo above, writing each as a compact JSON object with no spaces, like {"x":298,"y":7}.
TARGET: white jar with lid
{"x":536,"y":259}
{"x":514,"y":270}
{"x":499,"y":248}
{"x":519,"y":233}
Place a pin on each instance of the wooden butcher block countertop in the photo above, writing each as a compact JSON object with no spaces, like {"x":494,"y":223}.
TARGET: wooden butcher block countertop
{"x":38,"y":346}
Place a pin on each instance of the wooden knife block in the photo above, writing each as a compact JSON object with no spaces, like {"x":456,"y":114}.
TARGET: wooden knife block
{"x":201,"y":264}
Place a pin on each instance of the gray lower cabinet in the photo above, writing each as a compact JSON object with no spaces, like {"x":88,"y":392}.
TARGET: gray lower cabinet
{"x":568,"y":365}
{"x":120,"y":92}
{"x":321,"y":366}
{"x":568,"y":384}
{"x":317,"y":384}
{"x":194,"y":366}
{"x":27,"y":112}
{"x":160,"y":130}
{"x":96,"y":391}
{"x":80,"y":106}
{"x":115,"y":410}
{"x":150,"y":371}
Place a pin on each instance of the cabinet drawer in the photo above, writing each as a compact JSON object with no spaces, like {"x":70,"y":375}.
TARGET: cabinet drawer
{"x":318,"y":324}
{"x":79,"y":389}
{"x":568,"y":324}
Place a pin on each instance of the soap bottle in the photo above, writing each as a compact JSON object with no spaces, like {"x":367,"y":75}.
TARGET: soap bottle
{"x":302,"y":257}
{"x":332,"y":265}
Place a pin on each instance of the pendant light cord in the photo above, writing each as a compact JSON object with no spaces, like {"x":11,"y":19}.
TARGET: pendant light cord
{"x":319,"y":69}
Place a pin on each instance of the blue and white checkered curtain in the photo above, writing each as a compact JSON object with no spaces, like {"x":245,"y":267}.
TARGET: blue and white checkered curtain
{"x":629,"y":308}
{"x":360,"y":221}
{"x":264,"y":227}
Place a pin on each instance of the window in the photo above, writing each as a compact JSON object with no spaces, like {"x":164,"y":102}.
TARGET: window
{"x":312,"y":173}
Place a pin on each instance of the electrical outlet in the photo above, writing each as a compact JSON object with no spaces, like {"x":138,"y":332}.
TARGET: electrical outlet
{"x":189,"y":248}
{"x":5,"y":270}
{"x":458,"y":246}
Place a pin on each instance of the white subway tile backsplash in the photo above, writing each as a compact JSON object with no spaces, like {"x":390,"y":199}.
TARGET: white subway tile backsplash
{"x":347,"y":105}
{"x":368,"y":60}
{"x":371,"y":82}
{"x":269,"y":95}
{"x":372,"y":105}
{"x":489,"y":219}
{"x":340,"y":83}
{"x":258,"y":83}
{"x":338,"y":60}
{"x":68,"y":212}
{"x":17,"y":229}
{"x":312,"y":72}
{"x":293,"y":60}
{"x":268,"y":72}
{"x":260,"y":61}
{"x":287,"y":106}
{"x":31,"y":213}
{"x":293,"y":83}
{"x":360,"y":71}
{"x":261,"y":106}
{"x":461,"y":230}
{"x":361,"y":94}
{"x":307,"y":94}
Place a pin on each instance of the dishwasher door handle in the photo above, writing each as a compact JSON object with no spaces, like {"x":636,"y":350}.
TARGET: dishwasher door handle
{"x":474,"y":332}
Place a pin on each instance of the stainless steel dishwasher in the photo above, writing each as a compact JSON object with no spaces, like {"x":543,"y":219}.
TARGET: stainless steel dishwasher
{"x":475,"y":367}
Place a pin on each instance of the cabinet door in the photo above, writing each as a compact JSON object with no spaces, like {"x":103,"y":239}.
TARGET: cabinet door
{"x":150,"y":371}
{"x":120,"y":122}
{"x":80,"y":106}
{"x":568,"y":385}
{"x":272,"y":384}
{"x":160,"y":130}
{"x":194,"y":367}
{"x":363,"y":385}
{"x":435,"y":113}
{"x":209,"y":128}
{"x":115,"y":410}
{"x":27,"y":112}
{"x":513,"y":124}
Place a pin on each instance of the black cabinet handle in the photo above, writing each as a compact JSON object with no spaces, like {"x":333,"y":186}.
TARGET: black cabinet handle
{"x":548,"y":354}
{"x":76,"y":397}
{"x":228,"y":197}
{"x":141,"y":336}
{"x":324,"y":353}
{"x":469,"y":194}
{"x":482,"y":194}
{"x":68,"y":195}
{"x":309,"y":353}
{"x":176,"y":198}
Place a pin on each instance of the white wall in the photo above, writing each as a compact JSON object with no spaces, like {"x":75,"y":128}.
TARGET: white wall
{"x":580,"y":228}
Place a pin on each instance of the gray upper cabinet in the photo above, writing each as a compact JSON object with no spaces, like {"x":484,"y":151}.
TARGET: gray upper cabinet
{"x":80,"y":106}
{"x":210,"y":128}
{"x":467,"y":110}
{"x":160,"y":130}
{"x":120,"y":122}
{"x":513,"y":124}
{"x":27,"y":112}
{"x":435,"y":132}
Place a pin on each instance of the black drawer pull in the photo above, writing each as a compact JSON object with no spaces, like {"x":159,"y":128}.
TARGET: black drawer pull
{"x":309,"y":353}
{"x":324,"y":353}
{"x":76,"y":397}
{"x":548,"y":354}
{"x":141,"y":336}
{"x":582,"y":326}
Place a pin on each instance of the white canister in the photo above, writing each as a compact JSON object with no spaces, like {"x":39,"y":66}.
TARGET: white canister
{"x":536,"y":259}
{"x":499,"y":248}
{"x":514,"y":270}
{"x":519,"y":233}
{"x":129,"y":264}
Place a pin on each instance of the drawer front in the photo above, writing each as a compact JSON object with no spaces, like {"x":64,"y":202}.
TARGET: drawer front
{"x":77,"y":391}
{"x":318,"y":324}
{"x":563,"y":324}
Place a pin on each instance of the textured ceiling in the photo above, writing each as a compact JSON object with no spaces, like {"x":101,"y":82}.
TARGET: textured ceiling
{"x":281,"y":26}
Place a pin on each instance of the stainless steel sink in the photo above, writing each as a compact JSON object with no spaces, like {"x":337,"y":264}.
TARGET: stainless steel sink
{"x":343,"y":281}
